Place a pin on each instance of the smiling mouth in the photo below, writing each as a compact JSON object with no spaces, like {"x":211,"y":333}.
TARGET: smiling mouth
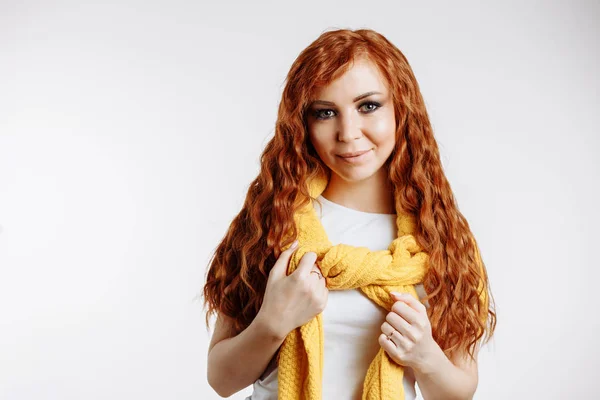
{"x":354,"y":154}
{"x":356,"y":158}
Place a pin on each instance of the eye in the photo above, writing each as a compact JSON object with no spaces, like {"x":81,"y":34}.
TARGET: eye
{"x":319,"y":114}
{"x":322,"y":113}
{"x":370,"y":103}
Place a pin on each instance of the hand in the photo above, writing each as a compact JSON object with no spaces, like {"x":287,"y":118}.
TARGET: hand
{"x":291,"y":301}
{"x":411,"y":343}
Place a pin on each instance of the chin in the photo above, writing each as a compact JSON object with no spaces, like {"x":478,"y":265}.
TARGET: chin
{"x":356,"y":175}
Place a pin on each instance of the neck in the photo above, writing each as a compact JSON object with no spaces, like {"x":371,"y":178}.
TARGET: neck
{"x":374,"y":194}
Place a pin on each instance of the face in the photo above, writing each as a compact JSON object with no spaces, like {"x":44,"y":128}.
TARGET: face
{"x":351,"y":123}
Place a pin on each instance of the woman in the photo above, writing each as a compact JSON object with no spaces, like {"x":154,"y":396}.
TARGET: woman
{"x":351,"y":205}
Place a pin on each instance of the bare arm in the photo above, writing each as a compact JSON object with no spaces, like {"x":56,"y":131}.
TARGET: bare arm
{"x":235,"y":362}
{"x":449,"y":379}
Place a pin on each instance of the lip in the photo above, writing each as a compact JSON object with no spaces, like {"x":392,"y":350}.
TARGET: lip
{"x":355,"y":158}
{"x":353,"y":154}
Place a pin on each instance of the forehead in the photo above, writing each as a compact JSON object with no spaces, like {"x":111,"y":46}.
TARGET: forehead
{"x":361,"y":77}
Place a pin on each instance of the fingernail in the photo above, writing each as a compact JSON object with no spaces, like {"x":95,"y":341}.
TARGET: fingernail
{"x":295,"y":244}
{"x":396,"y":294}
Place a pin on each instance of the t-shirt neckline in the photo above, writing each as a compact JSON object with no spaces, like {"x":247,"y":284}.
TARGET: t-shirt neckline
{"x":347,"y":209}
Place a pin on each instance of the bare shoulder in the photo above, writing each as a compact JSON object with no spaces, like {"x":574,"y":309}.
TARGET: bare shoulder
{"x":224,"y":329}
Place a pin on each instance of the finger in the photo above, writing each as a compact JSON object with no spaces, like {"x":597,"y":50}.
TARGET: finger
{"x":280,"y":267}
{"x":323,"y":277}
{"x":400,"y":341}
{"x":401,"y":325}
{"x":389,"y":331}
{"x":316,"y":275}
{"x":324,"y":292}
{"x":306,"y":264}
{"x":390,"y":347}
{"x":406,"y":312}
{"x":411,"y":301}
{"x":321,"y":281}
{"x":387,"y":345}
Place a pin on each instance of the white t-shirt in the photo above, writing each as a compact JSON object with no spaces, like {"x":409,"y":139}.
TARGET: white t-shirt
{"x":351,"y":321}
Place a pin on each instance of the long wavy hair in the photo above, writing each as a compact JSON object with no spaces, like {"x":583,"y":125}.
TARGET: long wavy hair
{"x":461,"y":304}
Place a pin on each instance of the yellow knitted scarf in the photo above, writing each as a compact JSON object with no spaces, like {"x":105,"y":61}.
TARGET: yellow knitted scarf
{"x":376,"y":274}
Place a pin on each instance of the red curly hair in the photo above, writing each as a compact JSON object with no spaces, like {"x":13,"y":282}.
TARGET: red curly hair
{"x":459,"y":312}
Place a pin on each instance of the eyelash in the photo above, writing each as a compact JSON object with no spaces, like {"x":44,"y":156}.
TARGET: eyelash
{"x":317,"y":113}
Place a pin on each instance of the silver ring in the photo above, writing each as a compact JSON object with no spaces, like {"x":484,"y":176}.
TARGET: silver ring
{"x":317,"y":272}
{"x":389,"y":337}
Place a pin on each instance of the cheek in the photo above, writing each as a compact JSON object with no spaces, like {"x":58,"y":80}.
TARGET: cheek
{"x":383,"y":131}
{"x":319,"y":142}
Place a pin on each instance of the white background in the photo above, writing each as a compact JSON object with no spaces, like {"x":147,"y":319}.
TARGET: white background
{"x":129,"y":133}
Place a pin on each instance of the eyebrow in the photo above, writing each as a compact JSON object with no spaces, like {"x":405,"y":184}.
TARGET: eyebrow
{"x":357,"y":98}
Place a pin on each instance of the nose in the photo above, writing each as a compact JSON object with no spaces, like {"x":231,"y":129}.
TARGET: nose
{"x":349,"y":129}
